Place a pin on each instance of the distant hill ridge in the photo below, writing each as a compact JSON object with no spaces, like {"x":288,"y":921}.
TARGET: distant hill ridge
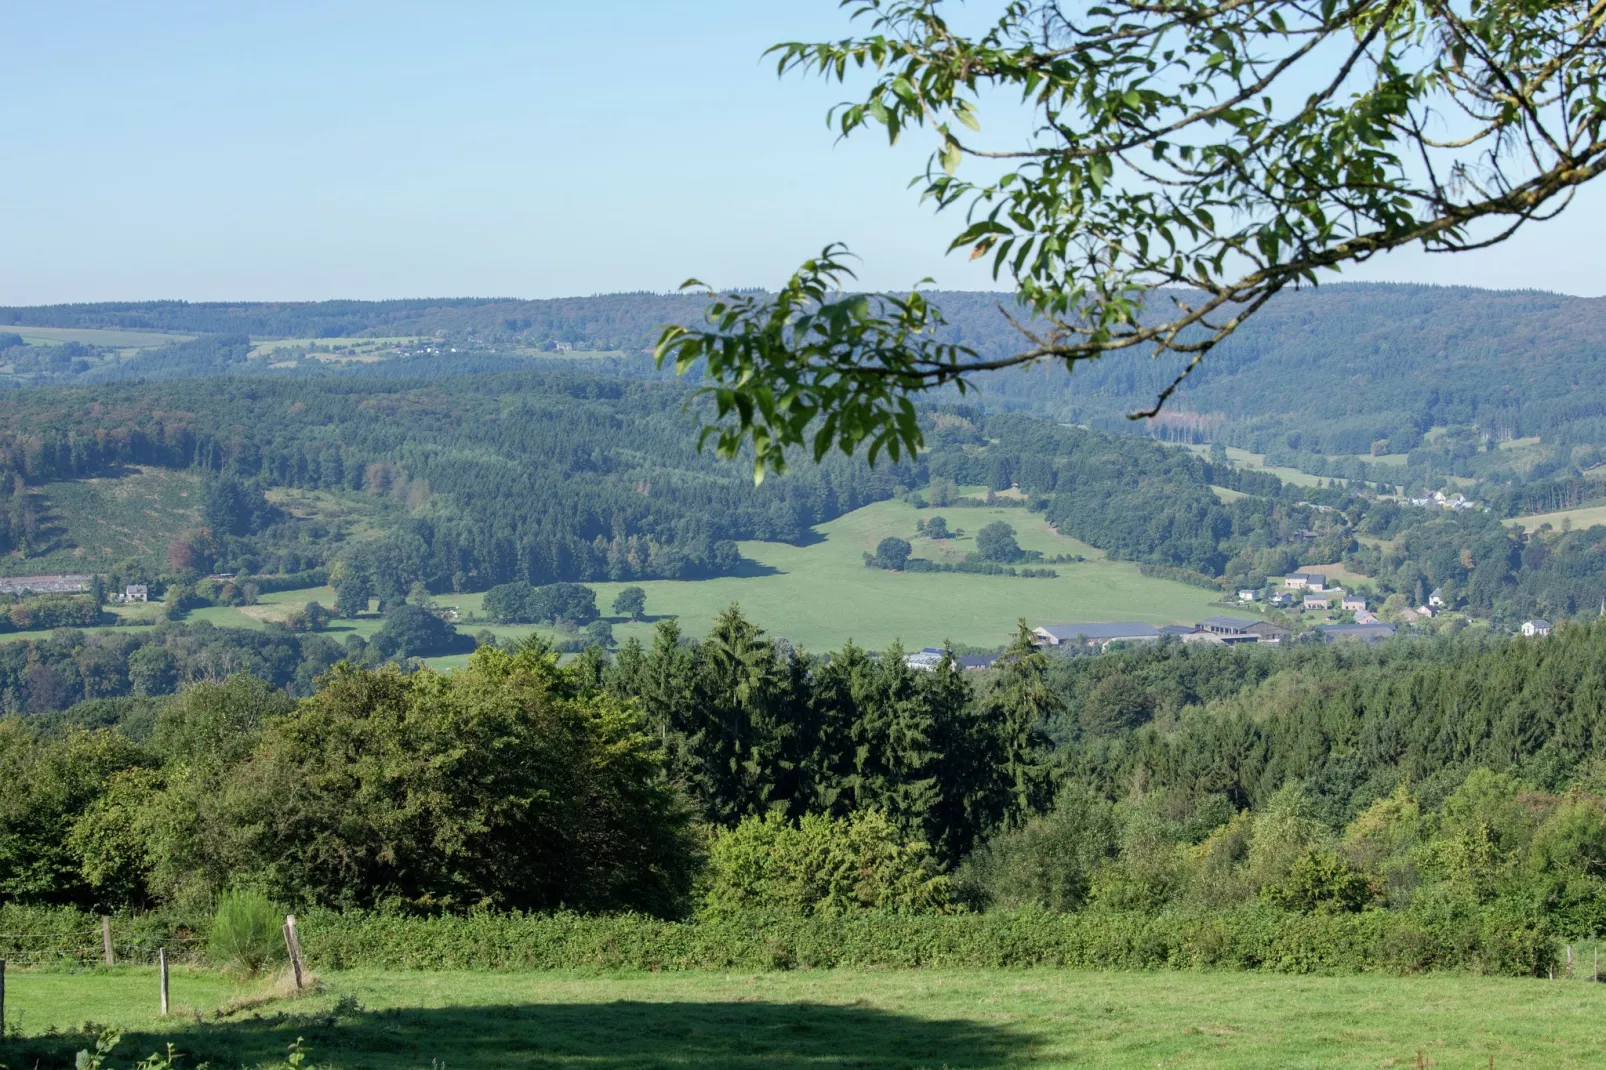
{"x":1330,"y":370}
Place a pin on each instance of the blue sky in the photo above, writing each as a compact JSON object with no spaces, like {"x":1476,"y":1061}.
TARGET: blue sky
{"x":536,"y":149}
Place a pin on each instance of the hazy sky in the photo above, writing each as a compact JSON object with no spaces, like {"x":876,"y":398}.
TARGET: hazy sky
{"x":537,"y":149}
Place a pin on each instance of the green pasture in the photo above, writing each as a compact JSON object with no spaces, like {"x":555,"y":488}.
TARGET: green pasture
{"x":1586,"y":517}
{"x":1256,"y":462}
{"x":124,"y":339}
{"x":371,"y":1020}
{"x":819,"y":596}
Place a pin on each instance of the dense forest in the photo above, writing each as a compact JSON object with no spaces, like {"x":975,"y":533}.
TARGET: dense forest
{"x":534,"y":477}
{"x":1455,"y":783}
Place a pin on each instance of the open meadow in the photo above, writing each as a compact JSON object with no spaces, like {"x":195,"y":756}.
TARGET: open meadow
{"x":821,"y":595}
{"x":97,"y":336}
{"x":373,"y":1020}
{"x":818,"y":595}
{"x":1578,"y":519}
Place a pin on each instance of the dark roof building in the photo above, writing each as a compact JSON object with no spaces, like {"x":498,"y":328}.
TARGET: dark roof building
{"x":978,"y":662}
{"x":1103,"y":633}
{"x":1365,"y":633}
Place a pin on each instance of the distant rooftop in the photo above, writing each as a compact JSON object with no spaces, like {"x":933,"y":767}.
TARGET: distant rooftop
{"x":1111,"y":630}
{"x":1368,"y":632}
{"x":1242,"y":624}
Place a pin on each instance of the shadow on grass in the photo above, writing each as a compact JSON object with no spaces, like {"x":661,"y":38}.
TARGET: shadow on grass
{"x":750,"y":1036}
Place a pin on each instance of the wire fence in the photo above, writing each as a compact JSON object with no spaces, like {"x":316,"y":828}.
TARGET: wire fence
{"x":82,"y":948}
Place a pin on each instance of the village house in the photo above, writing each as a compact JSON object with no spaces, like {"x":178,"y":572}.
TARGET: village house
{"x":1305,"y":581}
{"x":1436,"y":599}
{"x":978,"y":662}
{"x":928,"y":659}
{"x":1317,"y":601}
{"x":136,"y":592}
{"x":1536,"y":628}
{"x":1354,"y":603}
{"x":1282,"y":598}
{"x":1101,"y":635}
{"x":1248,"y":594}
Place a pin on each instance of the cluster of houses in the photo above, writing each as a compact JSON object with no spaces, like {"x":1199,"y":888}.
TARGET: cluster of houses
{"x":1214,"y":631}
{"x":1311,"y":590}
{"x":1457,"y":502}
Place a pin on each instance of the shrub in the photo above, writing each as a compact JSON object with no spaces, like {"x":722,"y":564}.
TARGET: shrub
{"x":823,"y":865}
{"x":1321,"y":882}
{"x":1046,"y":863}
{"x":246,"y":933}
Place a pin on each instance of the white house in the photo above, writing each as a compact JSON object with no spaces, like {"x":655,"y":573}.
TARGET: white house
{"x":136,"y":592}
{"x":926,"y":660}
{"x":1436,"y":599}
{"x":1248,"y":594}
{"x":1536,"y":628}
{"x":1354,"y":603}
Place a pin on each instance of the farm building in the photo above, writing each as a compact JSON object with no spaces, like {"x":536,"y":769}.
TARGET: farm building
{"x":1096,"y":634}
{"x":21,"y":585}
{"x":1363,"y":633}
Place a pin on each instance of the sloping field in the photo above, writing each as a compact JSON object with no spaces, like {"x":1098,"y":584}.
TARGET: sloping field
{"x":1586,"y":517}
{"x":96,"y":336}
{"x":96,"y":523}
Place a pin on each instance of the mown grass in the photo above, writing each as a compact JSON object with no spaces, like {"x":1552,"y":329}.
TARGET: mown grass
{"x":894,"y":1019}
{"x":124,"y":338}
{"x":1586,"y":517}
{"x":821,"y":595}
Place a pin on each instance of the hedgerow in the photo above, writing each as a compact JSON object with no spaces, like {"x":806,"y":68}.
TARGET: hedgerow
{"x":1246,"y":938}
{"x":1492,"y":941}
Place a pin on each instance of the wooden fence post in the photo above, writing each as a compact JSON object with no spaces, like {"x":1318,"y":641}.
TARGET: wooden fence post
{"x":106,"y":939}
{"x":292,"y":945}
{"x":161,"y":965}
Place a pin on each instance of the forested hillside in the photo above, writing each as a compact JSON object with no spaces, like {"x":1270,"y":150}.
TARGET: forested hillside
{"x":535,"y":477}
{"x":1331,"y":371}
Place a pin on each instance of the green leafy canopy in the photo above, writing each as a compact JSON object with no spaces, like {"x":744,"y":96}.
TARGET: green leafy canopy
{"x":1189,"y":160}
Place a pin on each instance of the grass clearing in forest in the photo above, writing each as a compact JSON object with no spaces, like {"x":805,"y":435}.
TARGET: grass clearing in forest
{"x":821,"y":595}
{"x":1585,"y":517}
{"x":94,"y":524}
{"x":369,"y":1020}
{"x":96,"y":336}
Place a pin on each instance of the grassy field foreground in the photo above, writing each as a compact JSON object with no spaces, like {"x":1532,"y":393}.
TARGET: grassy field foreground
{"x":976,"y":1019}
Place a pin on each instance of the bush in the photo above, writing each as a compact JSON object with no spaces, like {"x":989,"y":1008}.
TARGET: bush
{"x":823,"y":865}
{"x":246,"y":932}
{"x":1047,"y":863}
